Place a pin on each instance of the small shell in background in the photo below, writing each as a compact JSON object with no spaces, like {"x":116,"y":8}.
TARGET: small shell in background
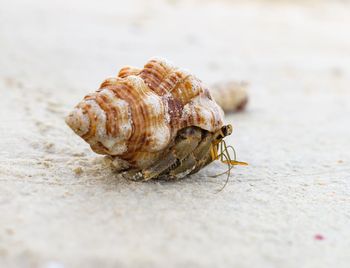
{"x":231,"y":96}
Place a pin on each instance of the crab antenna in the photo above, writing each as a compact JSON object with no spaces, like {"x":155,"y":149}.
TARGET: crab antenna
{"x":235,"y":162}
{"x":221,"y":150}
{"x":224,"y":153}
{"x":228,"y":174}
{"x":227,"y":153}
{"x":234,"y":152}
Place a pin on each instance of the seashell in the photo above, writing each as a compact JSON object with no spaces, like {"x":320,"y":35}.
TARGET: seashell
{"x":135,"y":116}
{"x":231,"y":96}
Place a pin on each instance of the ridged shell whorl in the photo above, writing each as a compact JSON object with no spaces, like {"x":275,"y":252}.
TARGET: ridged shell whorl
{"x":137,"y":114}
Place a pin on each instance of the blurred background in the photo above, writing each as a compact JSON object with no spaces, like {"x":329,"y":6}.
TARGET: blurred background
{"x":60,"y":207}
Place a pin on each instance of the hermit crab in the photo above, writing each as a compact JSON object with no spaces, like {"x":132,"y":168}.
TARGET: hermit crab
{"x":158,"y":122}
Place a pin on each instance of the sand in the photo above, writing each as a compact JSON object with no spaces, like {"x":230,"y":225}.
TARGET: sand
{"x":61,"y":205}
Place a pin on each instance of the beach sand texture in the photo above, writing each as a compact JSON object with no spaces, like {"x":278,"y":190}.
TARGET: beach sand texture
{"x":62,"y":206}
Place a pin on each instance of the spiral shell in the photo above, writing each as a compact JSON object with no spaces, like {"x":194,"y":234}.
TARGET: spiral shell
{"x":135,"y":116}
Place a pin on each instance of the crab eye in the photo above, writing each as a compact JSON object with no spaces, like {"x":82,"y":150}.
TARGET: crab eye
{"x":226,"y":130}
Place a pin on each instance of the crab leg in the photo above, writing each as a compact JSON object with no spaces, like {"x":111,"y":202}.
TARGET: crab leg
{"x":185,"y":143}
{"x":195,"y":160}
{"x":185,"y":168}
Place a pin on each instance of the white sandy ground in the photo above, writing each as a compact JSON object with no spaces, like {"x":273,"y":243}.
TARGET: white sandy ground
{"x":60,"y":205}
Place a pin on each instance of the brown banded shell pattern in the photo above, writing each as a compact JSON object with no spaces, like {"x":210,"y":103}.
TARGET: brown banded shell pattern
{"x":136,"y":115}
